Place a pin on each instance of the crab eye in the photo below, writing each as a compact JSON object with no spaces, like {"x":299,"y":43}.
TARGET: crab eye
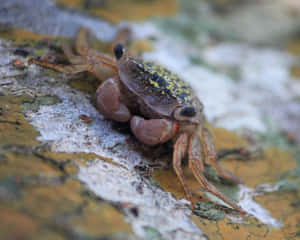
{"x":119,"y":50}
{"x":185,"y":113}
{"x":188,"y":112}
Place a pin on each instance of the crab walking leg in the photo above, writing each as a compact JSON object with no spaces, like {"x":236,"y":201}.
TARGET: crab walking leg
{"x":211,"y":157}
{"x":196,"y":164}
{"x":69,"y":69}
{"x":195,"y":152}
{"x":82,"y":46}
{"x":100,"y":69}
{"x":180,"y":149}
{"x":70,"y":55}
{"x":154,"y":131}
{"x":108,"y":101}
{"x":82,"y":41}
{"x":210,"y":188}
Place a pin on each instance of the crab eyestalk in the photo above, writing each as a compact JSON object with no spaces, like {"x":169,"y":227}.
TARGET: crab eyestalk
{"x":119,"y":51}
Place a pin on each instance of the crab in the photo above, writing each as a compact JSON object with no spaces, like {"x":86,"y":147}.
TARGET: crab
{"x":158,"y":105}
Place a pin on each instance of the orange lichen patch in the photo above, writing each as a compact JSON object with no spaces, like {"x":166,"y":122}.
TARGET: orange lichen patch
{"x":169,"y":182}
{"x":21,"y":35}
{"x":70,"y":161}
{"x":295,"y":71}
{"x":100,"y":219}
{"x":13,"y":128}
{"x":22,"y":164}
{"x":62,"y":157}
{"x":282,"y":207}
{"x":49,"y":235}
{"x":16,"y":225}
{"x":266,"y":169}
{"x":293,"y":47}
{"x":81,"y":84}
{"x":224,"y":138}
{"x":116,"y":11}
{"x":52,"y":200}
{"x":78,"y":158}
{"x":225,"y":229}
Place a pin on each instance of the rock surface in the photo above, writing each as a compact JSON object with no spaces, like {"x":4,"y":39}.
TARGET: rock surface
{"x":63,"y":177}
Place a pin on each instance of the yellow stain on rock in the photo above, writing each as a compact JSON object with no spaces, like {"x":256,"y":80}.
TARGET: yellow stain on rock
{"x":283,"y":206}
{"x":225,"y":139}
{"x":19,"y":36}
{"x":53,"y":200}
{"x":101,"y":219}
{"x":85,"y":86}
{"x":266,"y":169}
{"x":13,"y":128}
{"x":225,"y":229}
{"x":22,"y":225}
{"x":293,"y":46}
{"x":116,"y":11}
{"x":295,"y":71}
{"x":26,"y":164}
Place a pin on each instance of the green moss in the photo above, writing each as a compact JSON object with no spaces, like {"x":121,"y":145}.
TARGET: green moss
{"x":39,"y":101}
{"x":286,"y":185}
{"x":209,"y":210}
{"x":153,"y":234}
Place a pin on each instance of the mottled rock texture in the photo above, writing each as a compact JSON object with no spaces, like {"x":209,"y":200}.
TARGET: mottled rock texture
{"x":68,"y":173}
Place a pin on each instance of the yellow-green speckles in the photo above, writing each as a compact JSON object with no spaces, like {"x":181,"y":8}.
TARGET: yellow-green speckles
{"x":164,"y":81}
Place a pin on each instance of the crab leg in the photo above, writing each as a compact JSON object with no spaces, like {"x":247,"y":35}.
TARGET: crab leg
{"x":154,"y":131}
{"x":100,"y":69}
{"x":82,"y":41}
{"x":211,"y":157}
{"x":108,"y":101}
{"x":196,"y":164}
{"x":69,"y":69}
{"x":82,"y":46}
{"x":195,"y":152}
{"x":70,"y":55}
{"x":180,"y":149}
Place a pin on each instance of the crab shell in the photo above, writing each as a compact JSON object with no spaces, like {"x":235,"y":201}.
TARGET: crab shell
{"x":158,"y":93}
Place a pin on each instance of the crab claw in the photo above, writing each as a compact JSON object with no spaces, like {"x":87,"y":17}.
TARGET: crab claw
{"x":154,"y":131}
